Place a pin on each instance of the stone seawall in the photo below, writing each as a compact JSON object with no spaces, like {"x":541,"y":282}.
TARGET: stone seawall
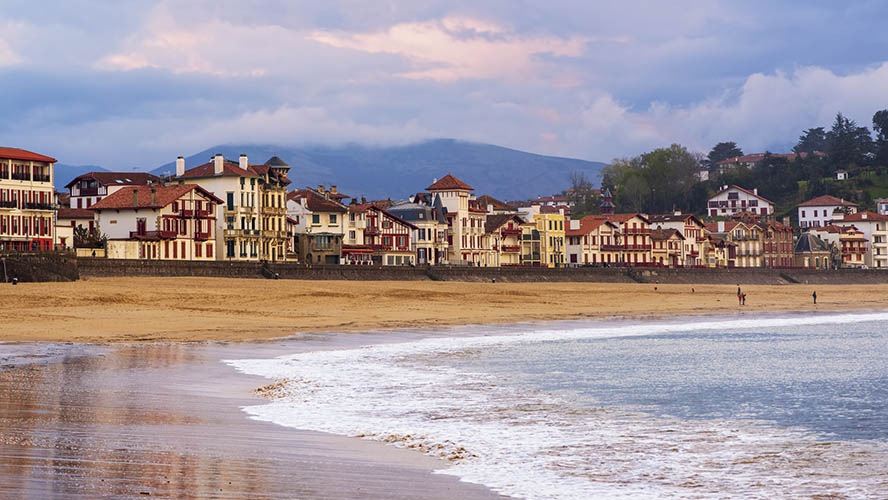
{"x":38,"y":267}
{"x":89,"y":267}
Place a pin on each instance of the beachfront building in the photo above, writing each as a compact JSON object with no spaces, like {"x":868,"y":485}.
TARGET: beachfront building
{"x":811,"y":252}
{"x":87,"y":189}
{"x":634,"y":238}
{"x":550,"y":223}
{"x":354,"y":251}
{"x":749,"y":241}
{"x":159,"y":222}
{"x":718,"y":252}
{"x":531,"y":245}
{"x":273,"y":182}
{"x":592,"y":240}
{"x":874,"y":228}
{"x":430,"y":236}
{"x":852,"y":247}
{"x":389,"y":238}
{"x":320,"y":225}
{"x":817,"y":212}
{"x":504,"y":232}
{"x":27,"y":207}
{"x":70,"y":219}
{"x":691,"y":228}
{"x":668,"y":249}
{"x":731,"y":200}
{"x":465,"y":220}
{"x":237,"y":229}
{"x":777,"y":244}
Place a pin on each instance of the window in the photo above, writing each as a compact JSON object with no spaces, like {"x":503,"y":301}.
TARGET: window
{"x":332,"y":218}
{"x":351,"y":235}
{"x":315,"y":218}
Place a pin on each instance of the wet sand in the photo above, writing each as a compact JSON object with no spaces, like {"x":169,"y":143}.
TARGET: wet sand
{"x":163,"y":421}
{"x":195,"y":309}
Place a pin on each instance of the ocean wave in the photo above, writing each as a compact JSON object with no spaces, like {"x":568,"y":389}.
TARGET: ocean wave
{"x":537,"y":445}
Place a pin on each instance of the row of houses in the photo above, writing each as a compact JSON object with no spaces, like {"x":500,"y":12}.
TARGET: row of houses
{"x":241,"y":211}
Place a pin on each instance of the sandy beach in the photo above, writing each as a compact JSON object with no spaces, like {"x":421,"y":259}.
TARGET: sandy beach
{"x":201,"y":309}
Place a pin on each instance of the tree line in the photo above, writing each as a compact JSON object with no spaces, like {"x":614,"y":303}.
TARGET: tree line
{"x":668,"y":179}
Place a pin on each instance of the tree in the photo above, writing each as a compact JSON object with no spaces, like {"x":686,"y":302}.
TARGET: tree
{"x":654,"y":182}
{"x":847,"y":144}
{"x":582,"y":194}
{"x":89,"y":238}
{"x":813,"y":139}
{"x":721,"y":151}
{"x":880,"y":126}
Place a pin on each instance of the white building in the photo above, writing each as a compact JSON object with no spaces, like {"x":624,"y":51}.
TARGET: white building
{"x":734,"y":199}
{"x":87,"y":189}
{"x":875,"y":229}
{"x":26,"y":200}
{"x":159,"y":222}
{"x":817,"y":212}
{"x":882,"y":206}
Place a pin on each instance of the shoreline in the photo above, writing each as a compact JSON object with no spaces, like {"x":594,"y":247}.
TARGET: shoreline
{"x":132,"y":310}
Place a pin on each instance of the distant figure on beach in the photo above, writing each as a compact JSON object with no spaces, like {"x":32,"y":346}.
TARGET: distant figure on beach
{"x":743,"y":302}
{"x":815,"y":297}
{"x":739,"y":298}
{"x":692,"y":290}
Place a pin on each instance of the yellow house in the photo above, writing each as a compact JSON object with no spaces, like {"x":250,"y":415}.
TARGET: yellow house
{"x":550,"y":222}
{"x":667,"y":247}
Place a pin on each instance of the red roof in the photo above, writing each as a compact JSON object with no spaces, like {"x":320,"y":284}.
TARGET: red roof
{"x":864,"y":216}
{"x":620,"y":218}
{"x":497,"y":205}
{"x":712,"y":227}
{"x":449,"y":182}
{"x":163,"y":196}
{"x":75,"y":213}
{"x":665,"y":234}
{"x":315,"y":201}
{"x":24,"y":155}
{"x":209,"y":170}
{"x":827,"y":201}
{"x":117,"y":178}
{"x":588,"y":224}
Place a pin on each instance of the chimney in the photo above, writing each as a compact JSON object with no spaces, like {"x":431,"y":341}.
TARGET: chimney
{"x":434,"y":180}
{"x":135,"y":197}
{"x":180,"y":166}
{"x":321,"y":188}
{"x":218,"y":163}
{"x":363,"y":200}
{"x":153,"y":197}
{"x":676,"y":212}
{"x":721,"y":226}
{"x":242,"y":162}
{"x":755,"y":191}
{"x":863,"y":215}
{"x":332,"y":189}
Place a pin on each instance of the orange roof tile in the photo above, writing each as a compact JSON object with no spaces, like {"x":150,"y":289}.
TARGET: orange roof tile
{"x":449,"y":182}
{"x":24,"y":155}
{"x":163,"y":196}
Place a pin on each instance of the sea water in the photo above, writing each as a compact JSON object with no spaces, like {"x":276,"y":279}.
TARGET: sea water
{"x":792,"y":406}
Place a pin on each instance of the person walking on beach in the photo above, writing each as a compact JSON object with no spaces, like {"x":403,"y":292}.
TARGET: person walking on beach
{"x":815,"y":297}
{"x":743,"y":302}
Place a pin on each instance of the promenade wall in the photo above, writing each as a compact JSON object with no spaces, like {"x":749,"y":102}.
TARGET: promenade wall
{"x":89,"y":267}
{"x":48,"y":266}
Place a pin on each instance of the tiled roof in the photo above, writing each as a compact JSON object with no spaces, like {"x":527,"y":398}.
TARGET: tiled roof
{"x":117,"y":178}
{"x":827,"y":201}
{"x":494,"y":222}
{"x":229,"y":168}
{"x":620,"y":218}
{"x":24,"y":155}
{"x":275,"y":161}
{"x":665,"y":234}
{"x":75,"y":213}
{"x":712,"y":227}
{"x":588,"y":224}
{"x":163,"y":196}
{"x":810,"y":243}
{"x":449,"y":182}
{"x":865,"y":216}
{"x":316,"y":202}
{"x":674,"y":218}
{"x":490,"y":200}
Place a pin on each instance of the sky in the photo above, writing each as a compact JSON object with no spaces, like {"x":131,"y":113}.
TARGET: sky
{"x":134,"y":84}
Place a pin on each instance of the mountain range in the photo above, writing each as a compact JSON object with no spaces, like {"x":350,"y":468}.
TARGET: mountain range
{"x":399,"y":171}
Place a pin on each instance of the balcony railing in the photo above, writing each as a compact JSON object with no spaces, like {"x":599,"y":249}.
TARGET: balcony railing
{"x":511,"y":248}
{"x":513,"y":231}
{"x":199,"y":214}
{"x":186,"y":212}
{"x":8,"y":204}
{"x":636,"y":230}
{"x":611,"y":248}
{"x":371,"y":230}
{"x":39,"y":206}
{"x":202,"y":236}
{"x":21,"y":177}
{"x":164,"y":235}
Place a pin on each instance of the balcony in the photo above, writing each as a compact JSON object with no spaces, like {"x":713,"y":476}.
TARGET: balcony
{"x":275,"y":210}
{"x":186,"y":212}
{"x":371,"y":231}
{"x":201,"y":214}
{"x":201,"y":235}
{"x":39,"y":206}
{"x":21,"y":177}
{"x":513,"y":231}
{"x":8,"y":204}
{"x":636,"y":230}
{"x":511,"y":248}
{"x":41,"y":178}
{"x":611,"y":248}
{"x":163,"y":235}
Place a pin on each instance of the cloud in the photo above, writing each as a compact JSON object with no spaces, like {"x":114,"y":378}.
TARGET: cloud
{"x":7,"y":56}
{"x":459,"y":47}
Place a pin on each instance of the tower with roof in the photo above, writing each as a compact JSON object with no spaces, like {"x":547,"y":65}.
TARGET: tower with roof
{"x":607,"y":202}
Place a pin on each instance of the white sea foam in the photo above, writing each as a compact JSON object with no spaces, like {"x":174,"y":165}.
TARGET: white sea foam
{"x":536,"y":445}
